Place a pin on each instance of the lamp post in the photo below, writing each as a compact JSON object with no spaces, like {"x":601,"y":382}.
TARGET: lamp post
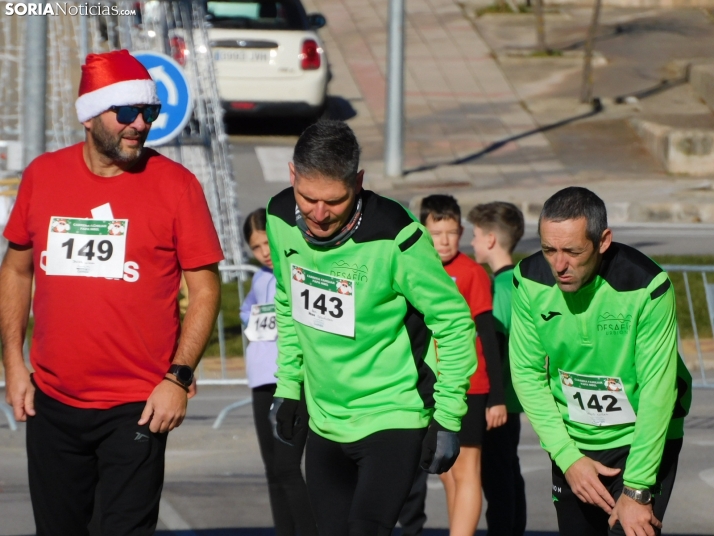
{"x":34,"y":88}
{"x":394,"y":120}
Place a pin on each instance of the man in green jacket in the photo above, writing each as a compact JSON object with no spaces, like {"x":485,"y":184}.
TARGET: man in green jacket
{"x":361,"y":299}
{"x":595,"y":365}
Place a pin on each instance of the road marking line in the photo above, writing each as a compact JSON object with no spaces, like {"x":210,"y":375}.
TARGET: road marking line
{"x":172,"y":519}
{"x":434,"y":484}
{"x":703,"y":442}
{"x":708,"y":476}
{"x":274,"y":163}
{"x":532,"y":468}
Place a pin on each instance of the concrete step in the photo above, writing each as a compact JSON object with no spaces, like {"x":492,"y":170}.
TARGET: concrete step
{"x":701,"y":78}
{"x":629,"y":199}
{"x":682,"y":151}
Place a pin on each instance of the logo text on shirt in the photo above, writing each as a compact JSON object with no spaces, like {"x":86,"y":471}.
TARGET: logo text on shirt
{"x":611,"y":324}
{"x":345,"y":270}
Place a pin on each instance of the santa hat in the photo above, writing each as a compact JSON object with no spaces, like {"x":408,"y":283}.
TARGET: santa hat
{"x":113,"y":79}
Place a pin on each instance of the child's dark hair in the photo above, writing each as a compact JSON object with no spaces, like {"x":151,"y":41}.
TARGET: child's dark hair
{"x":254,"y":222}
{"x":502,"y":218}
{"x":440,"y":207}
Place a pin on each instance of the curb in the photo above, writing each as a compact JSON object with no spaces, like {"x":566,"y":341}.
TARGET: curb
{"x":645,"y":203}
{"x":686,"y":151}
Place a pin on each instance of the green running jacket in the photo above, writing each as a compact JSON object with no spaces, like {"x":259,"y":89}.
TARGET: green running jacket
{"x":599,"y":368}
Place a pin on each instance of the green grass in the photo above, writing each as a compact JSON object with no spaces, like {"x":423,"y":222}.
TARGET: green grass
{"x":230,"y":305}
{"x":696,"y":287}
{"x":232,"y":326}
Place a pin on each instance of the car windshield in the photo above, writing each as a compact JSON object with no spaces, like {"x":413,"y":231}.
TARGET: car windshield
{"x":261,"y":15}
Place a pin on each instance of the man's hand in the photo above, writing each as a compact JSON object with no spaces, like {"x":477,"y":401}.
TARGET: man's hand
{"x":165,"y":408}
{"x":583,"y":478}
{"x":439,"y":449}
{"x":193,"y":389}
{"x":496,"y":416}
{"x":636,"y":519}
{"x":19,"y":391}
{"x":284,"y":419}
{"x":16,"y":291}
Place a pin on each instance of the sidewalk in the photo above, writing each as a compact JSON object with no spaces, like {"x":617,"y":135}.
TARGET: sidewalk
{"x":481,"y":128}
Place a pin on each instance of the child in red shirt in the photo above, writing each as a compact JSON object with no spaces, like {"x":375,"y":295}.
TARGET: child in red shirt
{"x":441,"y":216}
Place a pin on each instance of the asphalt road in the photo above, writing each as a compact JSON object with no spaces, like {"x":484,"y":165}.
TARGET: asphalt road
{"x":215,"y":484}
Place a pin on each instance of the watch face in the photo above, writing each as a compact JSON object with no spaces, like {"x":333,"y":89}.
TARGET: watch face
{"x":185,"y":374}
{"x":642,"y":496}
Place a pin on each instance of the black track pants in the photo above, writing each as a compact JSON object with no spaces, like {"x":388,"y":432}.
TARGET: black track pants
{"x":286,"y":486}
{"x":70,"y":450}
{"x":503,"y":485}
{"x":576,"y":518}
{"x":413,"y":516}
{"x":358,"y":489}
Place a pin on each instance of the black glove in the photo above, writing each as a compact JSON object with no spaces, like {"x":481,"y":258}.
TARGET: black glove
{"x":284,"y":419}
{"x":439,"y":449}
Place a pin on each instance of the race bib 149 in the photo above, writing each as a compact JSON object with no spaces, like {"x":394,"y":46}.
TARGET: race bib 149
{"x":86,"y":247}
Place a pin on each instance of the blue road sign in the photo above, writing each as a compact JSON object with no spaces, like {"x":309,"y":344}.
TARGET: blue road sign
{"x":174,"y":94}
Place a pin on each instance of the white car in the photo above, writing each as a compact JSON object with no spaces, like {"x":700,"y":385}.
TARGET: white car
{"x":268,"y":57}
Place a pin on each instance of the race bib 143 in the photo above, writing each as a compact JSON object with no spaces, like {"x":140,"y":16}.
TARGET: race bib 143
{"x":323,"y":302}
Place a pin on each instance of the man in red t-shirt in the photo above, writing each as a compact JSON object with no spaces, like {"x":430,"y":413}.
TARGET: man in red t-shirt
{"x":106,"y":228}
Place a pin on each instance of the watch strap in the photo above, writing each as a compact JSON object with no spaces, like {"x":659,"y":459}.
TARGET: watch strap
{"x":182,"y":373}
{"x":176,"y":382}
{"x":641,"y":496}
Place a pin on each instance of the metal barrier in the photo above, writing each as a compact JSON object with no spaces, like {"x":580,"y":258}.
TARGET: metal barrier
{"x":7,"y":410}
{"x":695,"y":320}
{"x":203,"y":375}
{"x":697,"y":352}
{"x":241,"y":270}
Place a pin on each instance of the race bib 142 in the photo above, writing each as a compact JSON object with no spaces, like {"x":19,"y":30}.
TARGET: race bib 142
{"x":596,"y":400}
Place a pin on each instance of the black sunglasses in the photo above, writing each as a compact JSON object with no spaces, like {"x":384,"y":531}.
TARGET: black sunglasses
{"x":126,"y":115}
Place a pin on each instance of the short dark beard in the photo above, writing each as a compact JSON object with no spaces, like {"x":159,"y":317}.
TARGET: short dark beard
{"x":110,"y":146}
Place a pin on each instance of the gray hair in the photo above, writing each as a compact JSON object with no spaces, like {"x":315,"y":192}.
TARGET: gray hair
{"x":329,"y":148}
{"x":575,"y":202}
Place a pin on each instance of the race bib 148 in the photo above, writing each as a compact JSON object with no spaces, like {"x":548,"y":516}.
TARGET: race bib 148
{"x":261,"y":324}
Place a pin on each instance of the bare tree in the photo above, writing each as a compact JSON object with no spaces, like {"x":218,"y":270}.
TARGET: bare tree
{"x":512,"y":5}
{"x":540,"y":26}
{"x":586,"y":90}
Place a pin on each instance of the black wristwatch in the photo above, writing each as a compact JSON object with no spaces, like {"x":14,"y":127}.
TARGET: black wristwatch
{"x":183,"y":373}
{"x":642,"y":496}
